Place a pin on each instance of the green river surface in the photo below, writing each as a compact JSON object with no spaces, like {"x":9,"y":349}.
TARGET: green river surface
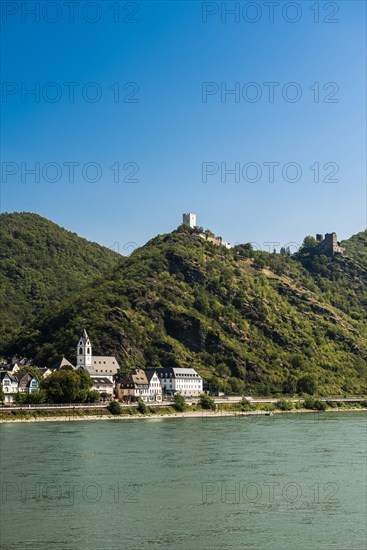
{"x":281,"y":482}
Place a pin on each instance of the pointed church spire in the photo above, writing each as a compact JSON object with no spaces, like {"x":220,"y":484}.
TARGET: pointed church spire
{"x":84,"y":351}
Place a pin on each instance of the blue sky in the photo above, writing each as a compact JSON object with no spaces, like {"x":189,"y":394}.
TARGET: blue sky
{"x":169,"y":131}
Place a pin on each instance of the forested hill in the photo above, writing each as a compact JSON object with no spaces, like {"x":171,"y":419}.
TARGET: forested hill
{"x":242,"y":318}
{"x":41,"y":264}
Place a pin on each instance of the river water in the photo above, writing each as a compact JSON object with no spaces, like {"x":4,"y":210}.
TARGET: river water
{"x":280,"y":482}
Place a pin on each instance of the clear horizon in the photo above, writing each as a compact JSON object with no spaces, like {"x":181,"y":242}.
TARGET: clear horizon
{"x":257,"y":126}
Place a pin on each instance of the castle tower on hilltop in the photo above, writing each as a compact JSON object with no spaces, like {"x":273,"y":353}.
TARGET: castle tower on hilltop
{"x":189,"y":219}
{"x":328,"y":245}
{"x":84,"y":351}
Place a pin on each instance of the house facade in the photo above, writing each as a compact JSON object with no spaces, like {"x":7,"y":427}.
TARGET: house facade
{"x":10,"y":386}
{"x":19,"y":382}
{"x":180,"y":380}
{"x":27,"y":383}
{"x":140,"y":384}
{"x":103,"y":385}
{"x":154,"y":385}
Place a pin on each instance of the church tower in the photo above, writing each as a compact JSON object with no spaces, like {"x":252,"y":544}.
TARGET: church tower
{"x":84,"y":351}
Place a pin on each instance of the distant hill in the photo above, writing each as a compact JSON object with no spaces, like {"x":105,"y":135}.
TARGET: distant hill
{"x":242,"y":318}
{"x":41,"y":264}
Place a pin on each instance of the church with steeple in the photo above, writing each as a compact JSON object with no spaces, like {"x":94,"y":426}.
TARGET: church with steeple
{"x":95,"y":366}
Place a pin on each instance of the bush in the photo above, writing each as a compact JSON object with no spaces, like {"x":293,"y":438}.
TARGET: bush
{"x":93,"y":396}
{"x":207,"y":402}
{"x":319,"y":405}
{"x":114,"y":407}
{"x":142,"y":407}
{"x":284,"y":405}
{"x":31,"y":398}
{"x":314,"y":404}
{"x":180,"y":402}
{"x":309,"y":402}
{"x":104,"y":395}
{"x":245,"y":405}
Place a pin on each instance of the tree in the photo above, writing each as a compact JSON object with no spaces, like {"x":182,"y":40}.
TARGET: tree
{"x":114,"y":408}
{"x":314,"y":404}
{"x":237,"y":386}
{"x":298,"y":361}
{"x":64,"y":386}
{"x":306,"y":384}
{"x":94,"y":396}
{"x":124,"y":370}
{"x":308,"y":243}
{"x":35,"y":397}
{"x":207,"y":402}
{"x":104,"y":395}
{"x":180,"y":402}
{"x":284,"y":405}
{"x":142,"y":407}
{"x":289,"y":385}
{"x":260,"y":263}
{"x":85,"y":385}
{"x":245,"y":405}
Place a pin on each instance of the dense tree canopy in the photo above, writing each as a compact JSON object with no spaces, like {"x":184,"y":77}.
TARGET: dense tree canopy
{"x":67,"y":386}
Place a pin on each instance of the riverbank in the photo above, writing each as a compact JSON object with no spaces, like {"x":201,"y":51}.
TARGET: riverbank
{"x":204,"y":414}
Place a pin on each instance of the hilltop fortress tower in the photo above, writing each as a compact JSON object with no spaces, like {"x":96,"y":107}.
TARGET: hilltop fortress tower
{"x":328,"y":245}
{"x":189,"y":219}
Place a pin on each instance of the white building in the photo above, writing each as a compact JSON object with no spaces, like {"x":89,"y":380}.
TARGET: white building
{"x":154,"y":388}
{"x":103,"y":385}
{"x":189,"y":219}
{"x":10,"y":386}
{"x":95,"y":366}
{"x":185,"y":381}
{"x":21,"y":382}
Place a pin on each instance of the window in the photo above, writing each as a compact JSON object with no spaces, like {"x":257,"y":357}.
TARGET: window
{"x":88,"y":350}
{"x":80,"y":351}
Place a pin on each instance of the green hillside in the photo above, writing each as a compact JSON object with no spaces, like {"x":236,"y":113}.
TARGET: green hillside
{"x":41,"y":264}
{"x":242,"y":318}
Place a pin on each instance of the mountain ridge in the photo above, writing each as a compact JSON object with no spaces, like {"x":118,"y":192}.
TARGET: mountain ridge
{"x":242,"y":318}
{"x":41,"y":264}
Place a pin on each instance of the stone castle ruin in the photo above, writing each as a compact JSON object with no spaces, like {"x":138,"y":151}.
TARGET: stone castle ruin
{"x":328,"y":245}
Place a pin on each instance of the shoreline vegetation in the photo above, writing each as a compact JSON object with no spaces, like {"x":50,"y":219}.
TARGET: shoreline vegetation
{"x":152,"y":412}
